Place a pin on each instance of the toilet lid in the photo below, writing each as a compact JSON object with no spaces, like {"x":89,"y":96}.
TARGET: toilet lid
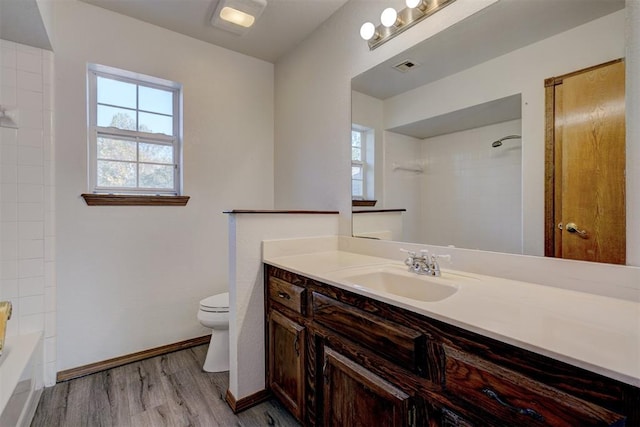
{"x":218,"y":303}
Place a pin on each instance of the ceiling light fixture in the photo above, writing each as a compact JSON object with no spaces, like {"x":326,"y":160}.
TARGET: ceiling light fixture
{"x":394,"y":22}
{"x":237,"y":16}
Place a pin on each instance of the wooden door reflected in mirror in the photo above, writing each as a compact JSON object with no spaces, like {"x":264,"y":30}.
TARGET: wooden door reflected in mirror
{"x":585,"y":165}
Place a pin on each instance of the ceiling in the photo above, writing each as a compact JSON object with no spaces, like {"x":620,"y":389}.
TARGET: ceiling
{"x":283,"y":24}
{"x":496,"y":30}
{"x":21,"y":22}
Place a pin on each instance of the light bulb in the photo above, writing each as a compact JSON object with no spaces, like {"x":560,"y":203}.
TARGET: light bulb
{"x":367,"y":31}
{"x":389,"y":17}
{"x":413,"y":3}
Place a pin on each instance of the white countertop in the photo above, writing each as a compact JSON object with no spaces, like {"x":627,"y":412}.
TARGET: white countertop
{"x":597,"y":333}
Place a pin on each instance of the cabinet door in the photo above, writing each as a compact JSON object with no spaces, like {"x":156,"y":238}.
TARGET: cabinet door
{"x":354,"y":396}
{"x":286,"y":362}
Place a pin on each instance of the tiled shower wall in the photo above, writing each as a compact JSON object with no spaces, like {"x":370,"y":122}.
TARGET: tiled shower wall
{"x":27,"y":213}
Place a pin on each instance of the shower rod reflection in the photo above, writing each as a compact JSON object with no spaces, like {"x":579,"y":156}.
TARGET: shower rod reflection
{"x":498,"y":143}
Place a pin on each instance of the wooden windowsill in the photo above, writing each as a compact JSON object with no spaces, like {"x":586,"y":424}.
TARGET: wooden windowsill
{"x":358,"y":202}
{"x":133,"y":200}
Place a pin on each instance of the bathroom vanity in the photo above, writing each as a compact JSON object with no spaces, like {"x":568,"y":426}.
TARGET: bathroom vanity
{"x":339,"y":354}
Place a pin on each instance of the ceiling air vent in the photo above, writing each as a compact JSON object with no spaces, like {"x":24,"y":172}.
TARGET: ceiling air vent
{"x":406,"y":65}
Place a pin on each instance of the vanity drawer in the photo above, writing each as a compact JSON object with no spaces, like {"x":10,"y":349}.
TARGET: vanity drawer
{"x":516,"y":398}
{"x":287,"y":294}
{"x":398,"y":343}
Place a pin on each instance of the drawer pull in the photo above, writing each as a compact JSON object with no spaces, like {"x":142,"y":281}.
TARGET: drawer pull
{"x":523,"y":411}
{"x":284,"y":295}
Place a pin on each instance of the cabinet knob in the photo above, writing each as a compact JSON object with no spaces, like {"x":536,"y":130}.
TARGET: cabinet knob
{"x":284,"y":295}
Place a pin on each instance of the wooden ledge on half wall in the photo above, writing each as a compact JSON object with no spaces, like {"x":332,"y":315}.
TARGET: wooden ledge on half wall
{"x":276,"y":211}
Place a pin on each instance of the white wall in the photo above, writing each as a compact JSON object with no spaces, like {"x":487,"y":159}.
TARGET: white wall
{"x":472,"y":192}
{"x":520,"y":72}
{"x":130,"y":278}
{"x":27,"y":208}
{"x":313,"y":108}
{"x":402,"y":188}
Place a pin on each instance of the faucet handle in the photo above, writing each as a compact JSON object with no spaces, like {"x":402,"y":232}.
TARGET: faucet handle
{"x":424,"y":253}
{"x":410,"y":258}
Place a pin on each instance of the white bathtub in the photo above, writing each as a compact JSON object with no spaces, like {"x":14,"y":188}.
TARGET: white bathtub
{"x":21,"y":373}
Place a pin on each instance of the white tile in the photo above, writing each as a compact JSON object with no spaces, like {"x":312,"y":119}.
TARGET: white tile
{"x":9,"y":174}
{"x":9,"y":230}
{"x":8,"y":57}
{"x":31,"y":323}
{"x":8,"y":136}
{"x":8,"y":95}
{"x":49,"y":299}
{"x":30,"y":268}
{"x":29,"y":249}
{"x":31,"y":118}
{"x":8,"y":212}
{"x":30,"y":81}
{"x":30,"y":137}
{"x":50,"y":324}
{"x":30,"y":155}
{"x":31,"y":305}
{"x":30,"y":99}
{"x":50,"y":275}
{"x":49,"y":249}
{"x":30,"y":230}
{"x":8,"y":250}
{"x":30,"y":174}
{"x":50,"y":372}
{"x":13,"y":327}
{"x":8,"y":77}
{"x":8,"y":154}
{"x":9,"y":193}
{"x":8,"y":44}
{"x":31,"y":286}
{"x":30,"y":212}
{"x":29,"y":49}
{"x":47,"y":97}
{"x":28,"y":61}
{"x":9,"y":289}
{"x":49,"y":349}
{"x":8,"y":270}
{"x":49,"y":223}
{"x":31,"y":193}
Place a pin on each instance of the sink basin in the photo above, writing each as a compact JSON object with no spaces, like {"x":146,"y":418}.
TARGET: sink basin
{"x":395,"y":280}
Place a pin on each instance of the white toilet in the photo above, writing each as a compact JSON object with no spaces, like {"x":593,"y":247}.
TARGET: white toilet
{"x":214,"y":314}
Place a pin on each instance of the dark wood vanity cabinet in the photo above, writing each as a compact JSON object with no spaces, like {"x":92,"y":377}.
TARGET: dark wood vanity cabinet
{"x":335,"y":358}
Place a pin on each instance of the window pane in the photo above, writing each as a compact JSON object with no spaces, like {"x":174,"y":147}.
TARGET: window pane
{"x":356,"y":188}
{"x":115,"y":92}
{"x":356,"y":154}
{"x":116,"y":174}
{"x":116,"y":149}
{"x":116,"y":117}
{"x":155,"y":123}
{"x":356,"y":172}
{"x":356,"y":139}
{"x":156,"y":153}
{"x":156,"y":176}
{"x":155,"y":100}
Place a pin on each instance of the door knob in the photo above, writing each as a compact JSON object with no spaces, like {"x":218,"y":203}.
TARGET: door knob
{"x":571,"y":227}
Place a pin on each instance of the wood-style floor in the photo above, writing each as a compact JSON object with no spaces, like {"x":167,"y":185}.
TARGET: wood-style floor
{"x":169,"y":390}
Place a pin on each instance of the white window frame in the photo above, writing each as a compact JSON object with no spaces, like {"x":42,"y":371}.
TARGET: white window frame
{"x":95,"y":131}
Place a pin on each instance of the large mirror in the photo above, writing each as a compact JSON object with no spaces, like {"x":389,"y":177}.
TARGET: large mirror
{"x":449,"y":137}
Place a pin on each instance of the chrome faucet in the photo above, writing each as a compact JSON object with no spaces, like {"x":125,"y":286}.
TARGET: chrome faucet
{"x":423,"y":263}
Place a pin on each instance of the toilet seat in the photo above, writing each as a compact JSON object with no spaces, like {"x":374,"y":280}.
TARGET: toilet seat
{"x":216,"y":304}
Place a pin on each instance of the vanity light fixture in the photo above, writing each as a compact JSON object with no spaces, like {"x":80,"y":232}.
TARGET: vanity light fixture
{"x":237,"y":16}
{"x":394,"y":22}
